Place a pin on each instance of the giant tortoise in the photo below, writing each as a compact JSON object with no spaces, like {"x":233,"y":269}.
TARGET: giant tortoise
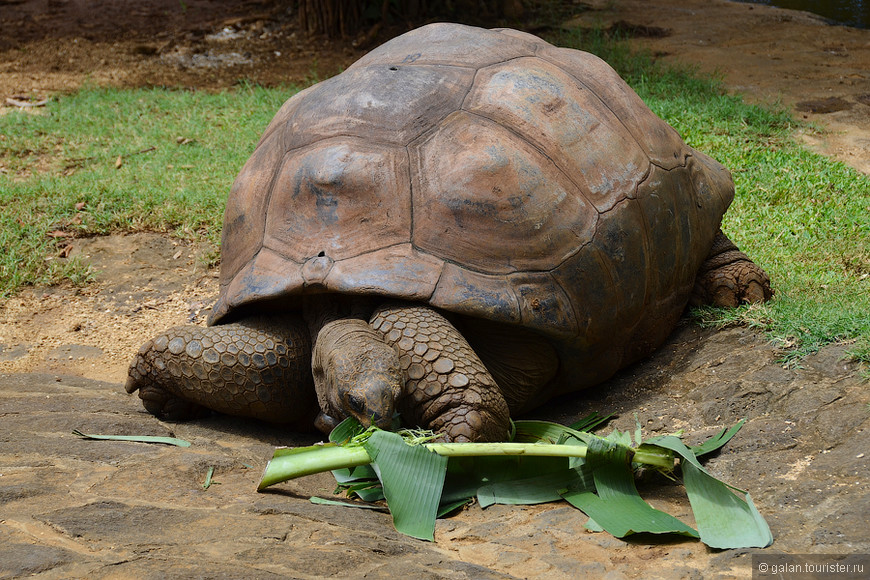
{"x":460,"y":226}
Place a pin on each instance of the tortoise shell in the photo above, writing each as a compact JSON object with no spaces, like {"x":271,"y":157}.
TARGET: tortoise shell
{"x":488,"y":174}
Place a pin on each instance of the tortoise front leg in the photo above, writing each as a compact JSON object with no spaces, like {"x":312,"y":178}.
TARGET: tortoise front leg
{"x":729,"y":278}
{"x":259,"y":368}
{"x":447,"y":387}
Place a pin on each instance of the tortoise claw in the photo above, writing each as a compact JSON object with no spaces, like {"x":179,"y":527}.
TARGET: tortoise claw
{"x":729,"y":278}
{"x":163,"y":405}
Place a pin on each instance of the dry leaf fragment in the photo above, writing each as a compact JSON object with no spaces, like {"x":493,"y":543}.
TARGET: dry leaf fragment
{"x":24,"y":104}
{"x":119,"y":162}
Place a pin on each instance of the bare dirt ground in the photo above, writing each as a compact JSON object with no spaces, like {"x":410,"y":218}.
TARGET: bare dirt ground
{"x":72,"y":508}
{"x":769,"y":55}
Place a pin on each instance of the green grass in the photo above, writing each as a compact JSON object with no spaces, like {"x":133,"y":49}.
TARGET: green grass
{"x":803,"y":217}
{"x":138,"y":160}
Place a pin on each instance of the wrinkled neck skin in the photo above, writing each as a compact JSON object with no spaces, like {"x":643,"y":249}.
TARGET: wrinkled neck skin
{"x":355,"y":372}
{"x":320,"y":309}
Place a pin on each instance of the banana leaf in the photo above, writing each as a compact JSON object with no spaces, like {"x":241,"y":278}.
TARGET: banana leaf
{"x":724,"y":519}
{"x":412,"y":477}
{"x":616,"y":505}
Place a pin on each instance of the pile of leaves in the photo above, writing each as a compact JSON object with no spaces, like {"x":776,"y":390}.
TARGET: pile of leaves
{"x":421,"y":480}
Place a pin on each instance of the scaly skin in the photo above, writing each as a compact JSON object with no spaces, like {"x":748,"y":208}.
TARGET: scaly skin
{"x":447,"y":387}
{"x":410,"y":359}
{"x":355,"y":374}
{"x":257,"y":368}
{"x":729,"y":278}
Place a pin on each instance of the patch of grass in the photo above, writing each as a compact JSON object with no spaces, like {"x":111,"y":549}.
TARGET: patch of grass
{"x":137,"y":160}
{"x":803,"y":217}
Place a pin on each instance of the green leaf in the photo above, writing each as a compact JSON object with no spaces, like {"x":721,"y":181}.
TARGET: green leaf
{"x":413,"y":478}
{"x":590,"y":422}
{"x":446,"y":508}
{"x":371,"y":493}
{"x":367,"y":489}
{"x":593,"y":526}
{"x":345,"y":431}
{"x":135,"y":438}
{"x":532,"y":490}
{"x":364,"y":506}
{"x":546,"y":431}
{"x":208,"y":478}
{"x":638,"y":432}
{"x":466,"y":475}
{"x":351,"y":474}
{"x":620,"y":438}
{"x":724,"y":519}
{"x":717,"y":441}
{"x":618,"y":507}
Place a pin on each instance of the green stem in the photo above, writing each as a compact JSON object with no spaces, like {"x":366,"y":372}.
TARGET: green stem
{"x":647,"y":455}
{"x":310,"y":460}
{"x":495,"y":449}
{"x":292,"y":463}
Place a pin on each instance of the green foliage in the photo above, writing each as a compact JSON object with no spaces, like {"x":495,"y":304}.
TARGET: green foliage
{"x":412,"y":478}
{"x":134,"y":438}
{"x":711,"y":498}
{"x":137,"y":160}
{"x":555,"y":462}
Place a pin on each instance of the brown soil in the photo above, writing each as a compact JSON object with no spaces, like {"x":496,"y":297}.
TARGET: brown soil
{"x":769,"y":55}
{"x":71,"y":508}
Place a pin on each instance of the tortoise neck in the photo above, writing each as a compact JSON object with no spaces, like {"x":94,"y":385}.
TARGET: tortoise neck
{"x":319,"y":310}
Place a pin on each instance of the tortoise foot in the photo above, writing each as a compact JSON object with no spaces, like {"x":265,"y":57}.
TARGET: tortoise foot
{"x":254,"y":368}
{"x":164,"y":406}
{"x":729,"y":278}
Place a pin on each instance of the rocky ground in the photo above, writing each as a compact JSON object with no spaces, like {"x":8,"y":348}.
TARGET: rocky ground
{"x":71,"y":508}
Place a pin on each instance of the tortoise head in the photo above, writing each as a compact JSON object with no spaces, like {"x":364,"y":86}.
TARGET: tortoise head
{"x":356,"y":374}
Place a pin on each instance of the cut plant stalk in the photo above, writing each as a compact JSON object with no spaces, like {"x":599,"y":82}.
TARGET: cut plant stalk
{"x":292,"y":463}
{"x":545,"y":462}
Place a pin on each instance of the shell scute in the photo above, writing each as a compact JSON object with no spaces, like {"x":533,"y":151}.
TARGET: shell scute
{"x":347,"y":198}
{"x":621,"y":237}
{"x":567,"y":122}
{"x":378,"y":103}
{"x":490,"y":201}
{"x":245,"y":214}
{"x":488,"y":174}
{"x":450,"y":45}
{"x":476,"y":294}
{"x":661,"y":143}
{"x":400,"y":271}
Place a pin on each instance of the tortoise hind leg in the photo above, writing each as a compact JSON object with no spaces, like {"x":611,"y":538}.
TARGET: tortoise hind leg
{"x":255,"y":368}
{"x":729,"y":278}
